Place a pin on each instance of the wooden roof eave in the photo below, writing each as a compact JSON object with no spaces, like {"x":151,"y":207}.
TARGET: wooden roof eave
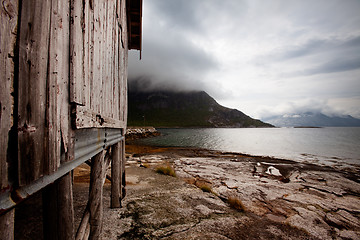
{"x":134,"y":12}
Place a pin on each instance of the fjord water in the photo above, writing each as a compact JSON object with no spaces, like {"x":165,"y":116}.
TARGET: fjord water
{"x":328,"y":146}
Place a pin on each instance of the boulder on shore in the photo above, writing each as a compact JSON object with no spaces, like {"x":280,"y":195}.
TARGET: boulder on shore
{"x":140,"y":132}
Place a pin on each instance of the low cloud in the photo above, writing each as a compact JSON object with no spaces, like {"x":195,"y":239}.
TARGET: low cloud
{"x":252,"y":53}
{"x":304,"y":106}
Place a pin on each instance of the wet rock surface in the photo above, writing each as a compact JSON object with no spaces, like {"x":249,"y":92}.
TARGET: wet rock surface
{"x":296,"y":202}
{"x":133,"y":133}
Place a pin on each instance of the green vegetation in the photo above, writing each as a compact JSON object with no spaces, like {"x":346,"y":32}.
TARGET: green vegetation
{"x":166,"y":170}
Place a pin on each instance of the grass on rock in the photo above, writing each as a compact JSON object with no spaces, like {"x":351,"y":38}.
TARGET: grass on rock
{"x":205,"y":187}
{"x":236,"y":203}
{"x":166,"y":170}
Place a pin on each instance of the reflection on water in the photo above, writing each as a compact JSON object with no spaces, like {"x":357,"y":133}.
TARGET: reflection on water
{"x":318,"y":145}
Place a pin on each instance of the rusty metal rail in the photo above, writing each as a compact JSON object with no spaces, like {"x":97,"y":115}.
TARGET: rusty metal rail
{"x":88,"y":143}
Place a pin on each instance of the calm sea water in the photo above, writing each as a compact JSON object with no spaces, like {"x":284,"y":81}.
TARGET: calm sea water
{"x":328,"y":146}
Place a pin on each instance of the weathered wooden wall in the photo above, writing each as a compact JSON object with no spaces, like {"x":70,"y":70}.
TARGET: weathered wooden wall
{"x":94,"y":33}
{"x":42,"y":85}
{"x":63,"y":80}
{"x":99,"y":88}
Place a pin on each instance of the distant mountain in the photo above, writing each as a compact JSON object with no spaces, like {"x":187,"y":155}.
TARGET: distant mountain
{"x":183,"y":109}
{"x":310,"y":119}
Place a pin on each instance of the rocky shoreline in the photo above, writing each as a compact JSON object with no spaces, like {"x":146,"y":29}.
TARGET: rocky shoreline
{"x":218,"y":195}
{"x":133,"y":133}
{"x":279,"y":199}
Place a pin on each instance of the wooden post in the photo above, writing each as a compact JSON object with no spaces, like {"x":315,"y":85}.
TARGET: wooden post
{"x":8,"y":28}
{"x":7,"y":225}
{"x":123,"y":161}
{"x":95,"y":195}
{"x":116,"y":176}
{"x":84,"y":225}
{"x":58,"y":209}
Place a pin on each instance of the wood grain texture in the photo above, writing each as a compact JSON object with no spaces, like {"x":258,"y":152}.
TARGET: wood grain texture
{"x":104,"y":59}
{"x":84,"y":224}
{"x":7,"y":225}
{"x":58,"y":210}
{"x":116,"y":176}
{"x":57,"y":73}
{"x":32,"y":98}
{"x":63,"y":75}
{"x":77,"y":82}
{"x":123,"y":175}
{"x":8,"y":28}
{"x":95,"y":195}
{"x":87,"y":118}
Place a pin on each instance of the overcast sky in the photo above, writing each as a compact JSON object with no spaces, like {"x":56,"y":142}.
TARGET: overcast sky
{"x":262,"y":57}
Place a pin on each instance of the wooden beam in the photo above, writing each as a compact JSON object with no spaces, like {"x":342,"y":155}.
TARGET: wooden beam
{"x":7,"y":225}
{"x":84,"y":117}
{"x":85,"y":224}
{"x":123,"y":162}
{"x":8,"y":25}
{"x":135,"y":23}
{"x":116,"y":176}
{"x":58,"y":210}
{"x":95,"y":195}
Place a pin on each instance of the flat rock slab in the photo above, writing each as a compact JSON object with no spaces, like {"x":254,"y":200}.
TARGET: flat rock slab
{"x":292,"y":201}
{"x":169,"y":208}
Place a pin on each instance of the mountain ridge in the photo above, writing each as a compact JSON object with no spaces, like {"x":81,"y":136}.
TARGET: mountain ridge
{"x":312,"y":119}
{"x":164,"y":108}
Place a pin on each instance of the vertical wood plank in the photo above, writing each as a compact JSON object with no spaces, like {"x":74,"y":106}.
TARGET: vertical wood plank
{"x":58,"y":209}
{"x":116,"y":175}
{"x":33,"y":71}
{"x":58,"y":47}
{"x":97,"y":76}
{"x":110,"y":26}
{"x":92,"y":66}
{"x":76,"y":54}
{"x":115,"y":76}
{"x":86,"y":52}
{"x":95,"y":195}
{"x":105,"y":63}
{"x":7,"y":221}
{"x":63,"y":75}
{"x":126,"y":44}
{"x":126,"y":52}
{"x":103,"y":56}
{"x":124,"y":39}
{"x":8,"y":28}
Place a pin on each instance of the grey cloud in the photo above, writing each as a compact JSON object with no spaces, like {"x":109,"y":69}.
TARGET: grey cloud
{"x":300,"y":107}
{"x":336,"y":65}
{"x":179,"y":14}
{"x":170,"y":58}
{"x":313,"y":38}
{"x":198,"y":16}
{"x":172,"y":61}
{"x":316,"y":46}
